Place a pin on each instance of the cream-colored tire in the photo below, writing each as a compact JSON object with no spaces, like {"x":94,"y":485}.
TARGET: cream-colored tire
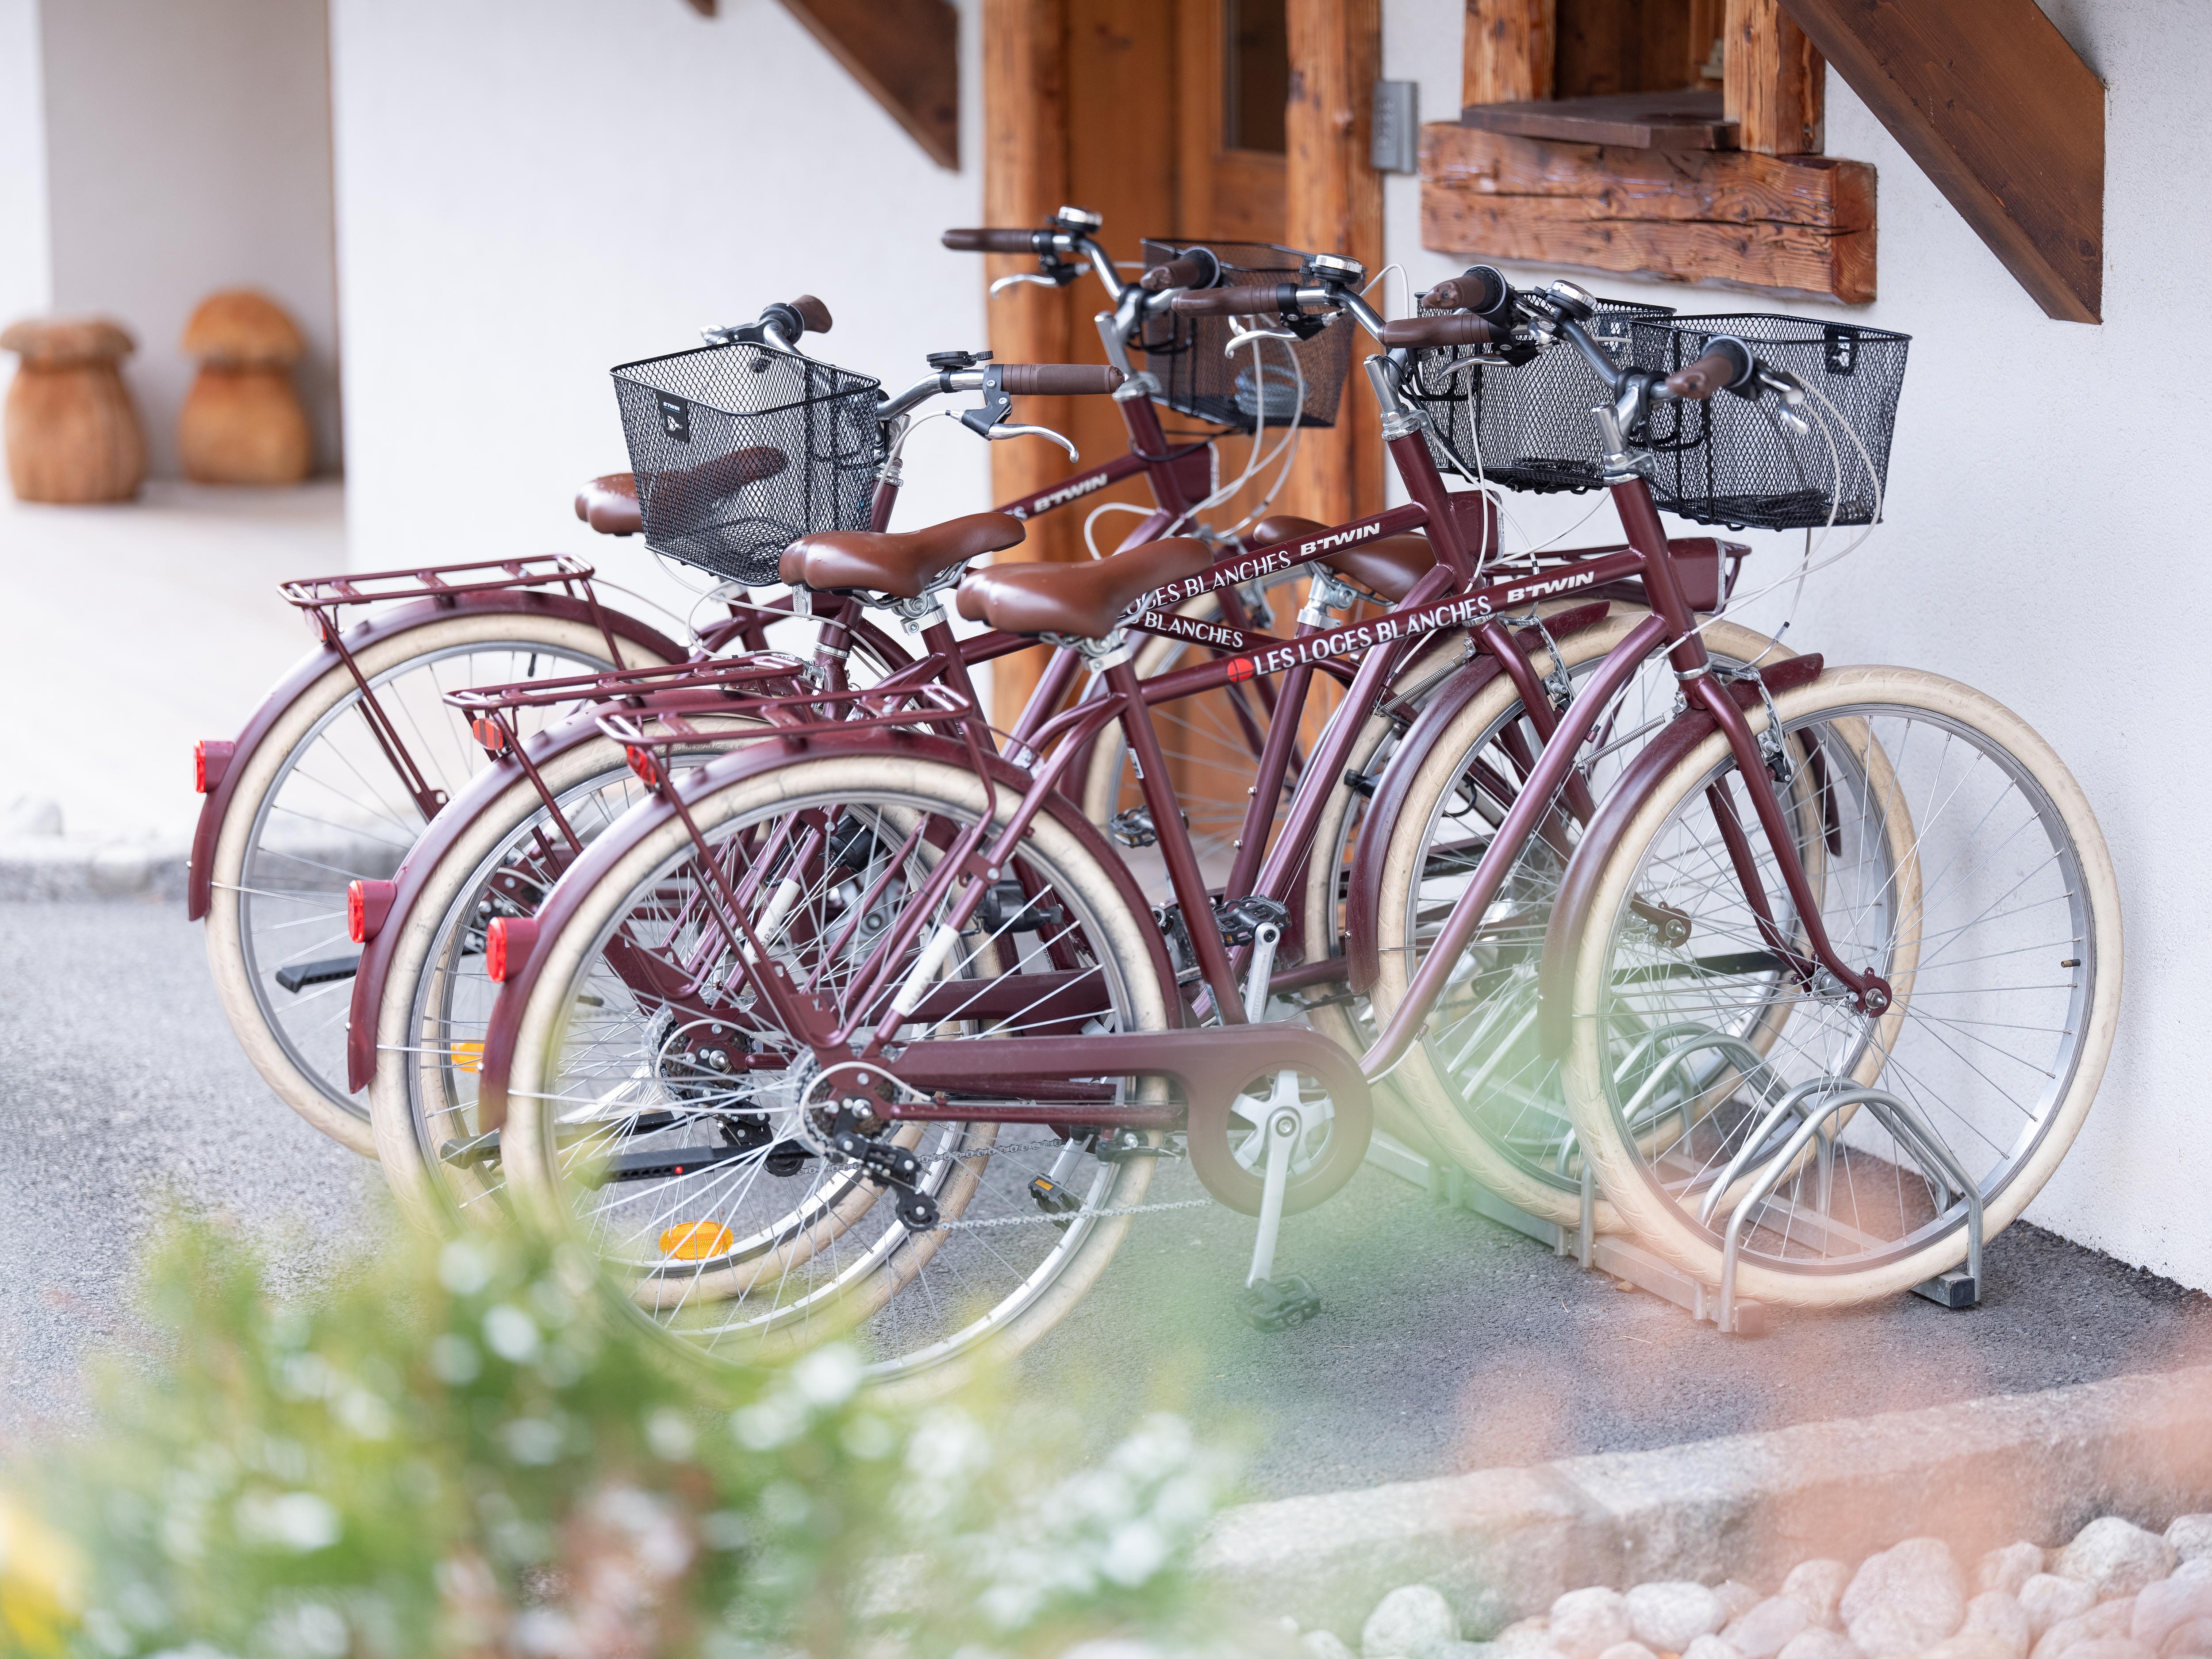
{"x":296,"y":1040}
{"x":1432,"y":1102}
{"x":727,"y":1321}
{"x":2006,"y":943}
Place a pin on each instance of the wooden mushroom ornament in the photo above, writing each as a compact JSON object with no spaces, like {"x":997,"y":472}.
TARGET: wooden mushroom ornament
{"x":72,"y":434}
{"x":242,"y":422}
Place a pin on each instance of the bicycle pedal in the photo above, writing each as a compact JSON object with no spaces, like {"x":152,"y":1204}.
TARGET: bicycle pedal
{"x":1241,"y":920}
{"x":1278,"y":1305}
{"x":1054,"y":1199}
{"x":1134,"y":828}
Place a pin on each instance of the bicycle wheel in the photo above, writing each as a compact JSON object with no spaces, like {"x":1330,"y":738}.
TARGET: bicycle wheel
{"x":321,"y":804}
{"x":436,"y":1001}
{"x":1477,"y":1081}
{"x":712,"y":1192}
{"x":1995,"y":918}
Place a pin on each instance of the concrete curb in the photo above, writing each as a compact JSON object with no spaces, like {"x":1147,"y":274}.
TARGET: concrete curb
{"x":1978,"y":1474}
{"x":47,"y":868}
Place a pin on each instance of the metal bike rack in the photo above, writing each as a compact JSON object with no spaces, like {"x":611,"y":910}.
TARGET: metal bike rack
{"x":1630,"y":1263}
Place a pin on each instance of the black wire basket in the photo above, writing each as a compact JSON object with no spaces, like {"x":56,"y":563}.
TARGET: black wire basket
{"x":739,"y":450}
{"x":1738,"y":462}
{"x":1525,"y":426}
{"x":1198,"y":378}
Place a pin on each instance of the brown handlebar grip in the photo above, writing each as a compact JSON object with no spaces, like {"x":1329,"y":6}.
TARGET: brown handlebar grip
{"x":984,"y":240}
{"x":1458,"y":329}
{"x":1719,"y":368}
{"x":812,"y":312}
{"x":1185,"y":270}
{"x":1058,"y":380}
{"x":1270,"y":298}
{"x":1478,"y":290}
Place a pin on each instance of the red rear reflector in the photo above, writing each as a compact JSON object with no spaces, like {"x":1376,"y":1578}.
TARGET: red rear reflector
{"x":210,"y":760}
{"x":491,"y":734}
{"x":507,"y":946}
{"x":640,"y":762}
{"x":368,"y":903}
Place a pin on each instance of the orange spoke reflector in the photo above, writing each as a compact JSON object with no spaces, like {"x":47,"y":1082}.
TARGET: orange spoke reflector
{"x":698,"y":1241}
{"x":467,"y":1057}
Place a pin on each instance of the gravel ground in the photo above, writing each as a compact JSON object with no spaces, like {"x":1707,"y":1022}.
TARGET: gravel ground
{"x":1446,"y":1343}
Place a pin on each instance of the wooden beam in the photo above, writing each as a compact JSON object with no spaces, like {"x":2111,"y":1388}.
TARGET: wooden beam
{"x":1689,"y":119}
{"x":1025,"y":160}
{"x":1333,"y":202}
{"x":1507,"y":52}
{"x":906,"y":54}
{"x":1800,"y":225}
{"x":1988,"y":97}
{"x":1776,"y":80}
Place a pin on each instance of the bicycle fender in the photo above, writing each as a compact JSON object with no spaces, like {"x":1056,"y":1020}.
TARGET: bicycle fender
{"x":1362,"y":952}
{"x":754,"y":759}
{"x":319,"y":662}
{"x":1569,"y":911}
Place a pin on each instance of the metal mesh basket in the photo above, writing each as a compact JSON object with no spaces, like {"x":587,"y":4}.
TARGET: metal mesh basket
{"x":739,"y":450}
{"x":1199,"y":378}
{"x":1733,"y":461}
{"x":1528,"y":424}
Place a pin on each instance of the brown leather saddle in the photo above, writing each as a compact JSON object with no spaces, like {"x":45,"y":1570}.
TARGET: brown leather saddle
{"x":901,"y":564}
{"x":1082,"y":600}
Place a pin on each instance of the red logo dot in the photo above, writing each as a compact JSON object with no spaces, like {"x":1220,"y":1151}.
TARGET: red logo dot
{"x":1240,"y":668}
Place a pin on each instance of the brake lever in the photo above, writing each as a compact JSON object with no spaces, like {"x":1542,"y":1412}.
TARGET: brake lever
{"x":1018,"y":278}
{"x":1244,"y":337}
{"x":994,"y":434}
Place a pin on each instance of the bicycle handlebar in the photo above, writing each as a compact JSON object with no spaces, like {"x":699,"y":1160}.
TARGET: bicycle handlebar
{"x":1727,"y":366}
{"x":1195,"y":267}
{"x":982,"y":240}
{"x":1481,"y":289}
{"x":1270,"y":297}
{"x":1457,"y":329}
{"x":1058,"y":380}
{"x":778,"y":324}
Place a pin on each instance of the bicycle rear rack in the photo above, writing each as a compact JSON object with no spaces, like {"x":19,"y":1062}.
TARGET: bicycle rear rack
{"x":440,"y":582}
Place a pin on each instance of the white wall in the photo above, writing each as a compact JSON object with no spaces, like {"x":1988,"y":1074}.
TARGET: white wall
{"x":26,"y":260}
{"x":188,"y":149}
{"x":2039,"y":543}
{"x":530,"y":196}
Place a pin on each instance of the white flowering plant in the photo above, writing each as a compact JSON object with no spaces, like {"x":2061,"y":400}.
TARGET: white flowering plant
{"x":463,"y":1452}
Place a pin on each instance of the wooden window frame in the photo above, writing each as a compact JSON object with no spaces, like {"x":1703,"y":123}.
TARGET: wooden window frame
{"x":1626,"y":183}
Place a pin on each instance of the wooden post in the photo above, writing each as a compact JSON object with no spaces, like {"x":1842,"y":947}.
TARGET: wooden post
{"x":1025,"y":148}
{"x":1333,"y":202}
{"x":1776,"y":80}
{"x":1507,"y":51}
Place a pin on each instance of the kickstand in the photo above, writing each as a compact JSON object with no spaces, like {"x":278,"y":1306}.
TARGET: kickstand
{"x":1270,"y":1304}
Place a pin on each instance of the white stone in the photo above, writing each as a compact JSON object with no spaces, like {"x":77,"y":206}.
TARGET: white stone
{"x":1712,"y":1647}
{"x":2008,"y":1568}
{"x":2198,"y":1566}
{"x":1406,"y":1621}
{"x":1586,"y":1622}
{"x":1763,"y":1632}
{"x":1904,"y":1599}
{"x":2116,"y":1558}
{"x":1323,"y":1645}
{"x":1994,"y":1613}
{"x":2048,"y":1600}
{"x":2104,"y":1621}
{"x":2111,"y":1647}
{"x":1969,"y":1645}
{"x":2190,"y":1536}
{"x":1818,"y":1586}
{"x":1736,"y":1599}
{"x":2187,"y":1641}
{"x":1817,"y":1642}
{"x":1667,"y":1617}
{"x":1628,"y":1651}
{"x":1525,"y":1636}
{"x":2164,"y":1606}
